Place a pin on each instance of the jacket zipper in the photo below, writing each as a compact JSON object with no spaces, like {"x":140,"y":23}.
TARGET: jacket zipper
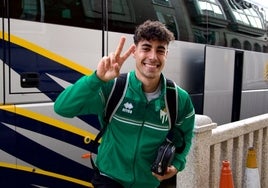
{"x":138,"y":143}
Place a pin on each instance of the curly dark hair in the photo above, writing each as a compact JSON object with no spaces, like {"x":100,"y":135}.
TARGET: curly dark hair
{"x":153,"y":30}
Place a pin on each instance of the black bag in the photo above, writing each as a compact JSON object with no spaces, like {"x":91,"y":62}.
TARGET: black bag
{"x":164,"y":158}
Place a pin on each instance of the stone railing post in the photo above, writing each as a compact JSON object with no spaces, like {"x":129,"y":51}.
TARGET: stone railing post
{"x":196,"y":172}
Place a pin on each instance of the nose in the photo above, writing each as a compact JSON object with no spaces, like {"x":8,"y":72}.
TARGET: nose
{"x":152,"y":55}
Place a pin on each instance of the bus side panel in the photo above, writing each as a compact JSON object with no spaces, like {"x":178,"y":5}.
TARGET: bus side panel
{"x":1,"y":63}
{"x":36,"y":144}
{"x":254,"y":85}
{"x":185,"y":65}
{"x":7,"y":147}
{"x":1,"y":80}
{"x":219,"y":78}
{"x":53,"y":57}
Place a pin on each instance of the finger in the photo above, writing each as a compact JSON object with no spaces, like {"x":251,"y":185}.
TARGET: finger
{"x":113,"y":59}
{"x":157,"y":176}
{"x":120,"y":47}
{"x":106,"y":62}
{"x":128,"y":52}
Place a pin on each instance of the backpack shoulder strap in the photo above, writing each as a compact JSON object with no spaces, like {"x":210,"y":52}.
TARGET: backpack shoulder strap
{"x":114,"y":100}
{"x":172,"y":108}
{"x":116,"y":96}
{"x":171,"y":101}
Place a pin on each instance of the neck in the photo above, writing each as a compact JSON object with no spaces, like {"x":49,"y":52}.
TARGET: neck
{"x":150,"y":85}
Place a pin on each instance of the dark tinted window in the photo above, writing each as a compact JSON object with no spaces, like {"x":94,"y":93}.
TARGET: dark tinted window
{"x":79,"y":13}
{"x":125,"y":15}
{"x":119,"y":15}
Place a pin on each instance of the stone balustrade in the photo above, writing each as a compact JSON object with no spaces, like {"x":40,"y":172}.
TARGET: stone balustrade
{"x":214,"y":143}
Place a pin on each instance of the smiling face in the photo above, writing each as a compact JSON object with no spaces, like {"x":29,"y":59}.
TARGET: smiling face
{"x":150,"y":59}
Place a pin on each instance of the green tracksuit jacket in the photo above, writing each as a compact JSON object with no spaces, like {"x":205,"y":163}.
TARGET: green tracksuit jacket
{"x":136,"y":130}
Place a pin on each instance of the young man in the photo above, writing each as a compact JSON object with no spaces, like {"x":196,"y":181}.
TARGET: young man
{"x":136,"y":131}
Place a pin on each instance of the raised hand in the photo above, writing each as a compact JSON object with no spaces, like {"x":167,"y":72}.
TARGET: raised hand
{"x":109,"y":66}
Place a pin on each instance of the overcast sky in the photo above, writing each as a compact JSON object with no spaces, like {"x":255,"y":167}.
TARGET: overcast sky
{"x":261,"y":2}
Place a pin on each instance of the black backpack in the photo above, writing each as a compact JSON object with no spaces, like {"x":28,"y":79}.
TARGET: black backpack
{"x":117,"y":94}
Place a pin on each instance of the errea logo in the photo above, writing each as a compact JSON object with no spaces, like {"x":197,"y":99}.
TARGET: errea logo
{"x":128,"y":108}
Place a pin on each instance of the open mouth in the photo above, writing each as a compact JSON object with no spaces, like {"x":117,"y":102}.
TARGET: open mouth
{"x":151,"y":65}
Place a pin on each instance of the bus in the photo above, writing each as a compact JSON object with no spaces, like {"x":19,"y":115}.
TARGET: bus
{"x":220,"y":56}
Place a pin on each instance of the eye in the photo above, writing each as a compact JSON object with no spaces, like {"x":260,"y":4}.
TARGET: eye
{"x":161,"y":51}
{"x":146,"y":49}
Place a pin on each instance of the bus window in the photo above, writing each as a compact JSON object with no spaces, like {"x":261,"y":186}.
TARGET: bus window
{"x":198,"y":21}
{"x":120,"y":10}
{"x":31,"y":10}
{"x":2,"y":9}
{"x":121,"y":16}
{"x":63,"y":12}
{"x":170,"y":22}
{"x":165,"y":13}
{"x":125,"y":15}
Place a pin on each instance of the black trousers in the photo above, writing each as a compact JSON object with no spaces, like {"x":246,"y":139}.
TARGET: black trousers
{"x":100,"y":181}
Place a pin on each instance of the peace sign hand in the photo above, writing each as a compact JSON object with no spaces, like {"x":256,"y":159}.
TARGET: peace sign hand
{"x":109,"y":66}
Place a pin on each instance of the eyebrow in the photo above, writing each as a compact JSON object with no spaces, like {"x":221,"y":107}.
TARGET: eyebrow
{"x":149,"y":45}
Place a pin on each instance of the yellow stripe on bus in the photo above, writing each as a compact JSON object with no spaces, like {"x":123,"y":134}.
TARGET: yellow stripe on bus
{"x":46,"y":53}
{"x":46,"y":173}
{"x":48,"y":120}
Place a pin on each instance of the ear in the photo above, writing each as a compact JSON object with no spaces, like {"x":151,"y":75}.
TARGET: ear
{"x":134,"y":51}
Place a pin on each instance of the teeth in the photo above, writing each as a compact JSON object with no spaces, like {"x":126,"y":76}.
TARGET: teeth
{"x":149,"y":65}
